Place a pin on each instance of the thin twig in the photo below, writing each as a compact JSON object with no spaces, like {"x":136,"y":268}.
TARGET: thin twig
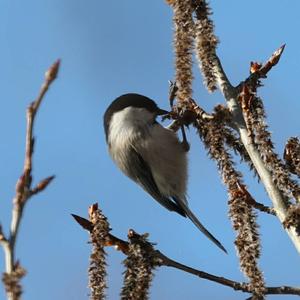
{"x":261,"y":71}
{"x":24,"y":190}
{"x":238,"y":286}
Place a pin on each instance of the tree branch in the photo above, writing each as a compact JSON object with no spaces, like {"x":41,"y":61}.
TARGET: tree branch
{"x":162,"y":260}
{"x":238,"y":286}
{"x":259,"y":71}
{"x":230,"y":93}
{"x":13,"y":270}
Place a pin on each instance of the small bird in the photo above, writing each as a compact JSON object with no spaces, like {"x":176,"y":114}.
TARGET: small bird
{"x":150,"y":154}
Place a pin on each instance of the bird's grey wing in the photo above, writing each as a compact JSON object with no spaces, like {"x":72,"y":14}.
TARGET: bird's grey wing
{"x":140,"y":172}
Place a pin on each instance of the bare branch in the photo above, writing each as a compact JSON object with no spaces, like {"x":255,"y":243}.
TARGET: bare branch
{"x":14,"y":272}
{"x":260,"y":71}
{"x":42,"y":185}
{"x":24,"y":183}
{"x":238,"y":286}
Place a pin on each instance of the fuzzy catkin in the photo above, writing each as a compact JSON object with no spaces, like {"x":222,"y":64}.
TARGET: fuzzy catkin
{"x":247,"y":241}
{"x":280,"y":173}
{"x":97,"y":268}
{"x":139,"y":265}
{"x":240,"y":211}
{"x":205,"y":43}
{"x":292,"y":155}
{"x":12,"y":281}
{"x":183,"y":47}
{"x":293,"y":218}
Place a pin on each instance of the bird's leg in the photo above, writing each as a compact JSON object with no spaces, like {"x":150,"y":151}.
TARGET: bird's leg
{"x":185,"y":144}
{"x":174,"y":126}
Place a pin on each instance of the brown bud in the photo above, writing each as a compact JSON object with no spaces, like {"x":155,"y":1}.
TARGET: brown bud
{"x":52,"y":72}
{"x":254,"y":66}
{"x":276,"y":55}
{"x":2,"y":237}
{"x":42,"y":185}
{"x":20,"y":185}
{"x":131,"y":233}
{"x":84,"y":223}
{"x":92,"y":209}
{"x":170,"y":2}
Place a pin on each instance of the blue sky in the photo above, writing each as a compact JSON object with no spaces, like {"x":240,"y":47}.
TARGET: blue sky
{"x":109,"y":48}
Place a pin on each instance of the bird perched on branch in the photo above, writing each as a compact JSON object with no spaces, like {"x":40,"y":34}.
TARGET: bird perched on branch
{"x":150,"y":154}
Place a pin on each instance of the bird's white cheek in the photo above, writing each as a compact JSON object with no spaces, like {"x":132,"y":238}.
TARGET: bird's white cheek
{"x":118,"y":131}
{"x":128,"y":125}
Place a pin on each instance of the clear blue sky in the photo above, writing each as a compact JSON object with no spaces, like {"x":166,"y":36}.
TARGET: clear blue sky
{"x":108,"y":48}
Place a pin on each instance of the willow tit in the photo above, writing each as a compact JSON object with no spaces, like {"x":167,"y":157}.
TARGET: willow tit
{"x":150,"y":154}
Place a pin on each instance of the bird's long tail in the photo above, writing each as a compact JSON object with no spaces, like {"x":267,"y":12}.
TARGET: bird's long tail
{"x":199,"y":225}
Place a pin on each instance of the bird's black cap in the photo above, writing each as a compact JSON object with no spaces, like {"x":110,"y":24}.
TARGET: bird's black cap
{"x":132,"y":100}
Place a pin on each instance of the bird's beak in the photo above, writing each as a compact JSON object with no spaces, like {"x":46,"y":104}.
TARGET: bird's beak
{"x":161,"y":112}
